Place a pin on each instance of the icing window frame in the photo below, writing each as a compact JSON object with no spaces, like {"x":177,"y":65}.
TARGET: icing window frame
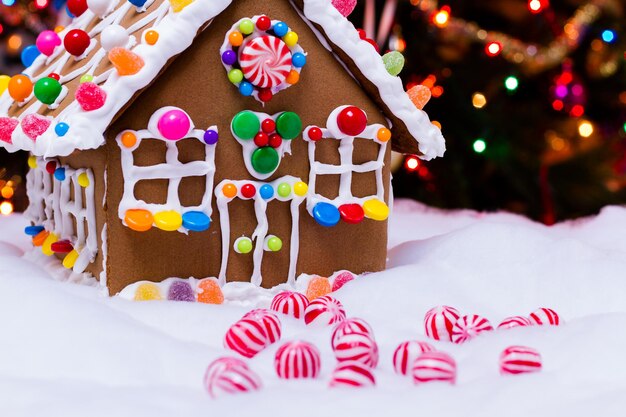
{"x":169,"y":125}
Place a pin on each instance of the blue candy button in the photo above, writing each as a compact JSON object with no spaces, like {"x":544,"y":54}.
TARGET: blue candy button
{"x":196,"y":221}
{"x":59,"y":174}
{"x":33,"y":230}
{"x":29,"y":55}
{"x":326,"y":214}
{"x":266,"y":192}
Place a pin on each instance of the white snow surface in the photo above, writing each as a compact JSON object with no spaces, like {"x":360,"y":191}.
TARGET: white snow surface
{"x":66,"y":350}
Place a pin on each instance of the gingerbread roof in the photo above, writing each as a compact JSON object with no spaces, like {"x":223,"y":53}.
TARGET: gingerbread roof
{"x":65,"y":125}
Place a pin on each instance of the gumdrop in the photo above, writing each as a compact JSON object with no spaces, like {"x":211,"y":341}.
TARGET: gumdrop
{"x":419,"y":95}
{"x":125,"y":61}
{"x":209,"y":292}
{"x":178,"y":5}
{"x":90,"y":96}
{"x":34,"y":125}
{"x":318,"y":287}
{"x":147,"y":292}
{"x":341,"y":279}
{"x":181,"y":291}
{"x":7,"y":126}
{"x":394,"y":62}
{"x":345,"y":7}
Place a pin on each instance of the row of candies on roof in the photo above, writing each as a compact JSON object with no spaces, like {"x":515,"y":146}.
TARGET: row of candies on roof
{"x":354,"y":346}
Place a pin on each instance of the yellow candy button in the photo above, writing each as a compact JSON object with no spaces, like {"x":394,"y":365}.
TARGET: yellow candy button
{"x":32,"y":162}
{"x":300,"y":188}
{"x":376,"y":210}
{"x":148,"y":292}
{"x":70,"y":259}
{"x":168,"y":220}
{"x":138,"y":220}
{"x":179,"y":5}
{"x":83,"y":180}
{"x":46,"y":248}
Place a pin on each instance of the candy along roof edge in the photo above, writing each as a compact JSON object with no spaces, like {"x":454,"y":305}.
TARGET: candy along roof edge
{"x":177,"y":32}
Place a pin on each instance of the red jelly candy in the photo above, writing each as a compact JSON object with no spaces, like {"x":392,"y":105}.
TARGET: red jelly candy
{"x":351,"y":213}
{"x":341,"y":279}
{"x":90,"y":96}
{"x":34,"y":125}
{"x":7,"y":126}
{"x":345,"y":7}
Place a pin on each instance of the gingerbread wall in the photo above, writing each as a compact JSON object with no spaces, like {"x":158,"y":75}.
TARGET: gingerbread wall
{"x":197,"y":83}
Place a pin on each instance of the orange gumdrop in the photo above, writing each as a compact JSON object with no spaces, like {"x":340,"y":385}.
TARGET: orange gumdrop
{"x":209,"y":292}
{"x":419,"y":95}
{"x":139,"y":220}
{"x":40,"y":238}
{"x":125,"y":61}
{"x":318,"y":287}
{"x":20,"y":87}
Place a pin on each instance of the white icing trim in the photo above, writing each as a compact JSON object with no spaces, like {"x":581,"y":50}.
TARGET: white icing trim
{"x":176,"y":33}
{"x":261,"y":230}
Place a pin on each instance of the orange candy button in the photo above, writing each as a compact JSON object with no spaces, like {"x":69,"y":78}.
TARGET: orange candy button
{"x":129,"y":139}
{"x":318,"y":287}
{"x":139,"y":220}
{"x":209,"y":292}
{"x":229,"y":190}
{"x":40,"y":238}
{"x":152,"y":36}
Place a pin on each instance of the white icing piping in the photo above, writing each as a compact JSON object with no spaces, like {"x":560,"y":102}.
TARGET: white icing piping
{"x":261,"y":230}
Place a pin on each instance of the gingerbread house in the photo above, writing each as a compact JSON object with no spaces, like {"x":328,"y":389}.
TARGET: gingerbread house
{"x":246,"y":140}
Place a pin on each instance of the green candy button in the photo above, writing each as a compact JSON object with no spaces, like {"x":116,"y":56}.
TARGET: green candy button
{"x":246,"y":125}
{"x":289,"y":125}
{"x":265,"y":160}
{"x":47,"y":90}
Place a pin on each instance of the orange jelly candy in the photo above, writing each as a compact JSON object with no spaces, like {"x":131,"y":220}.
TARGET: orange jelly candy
{"x":318,"y":287}
{"x":209,"y":292}
{"x":125,"y":61}
{"x":139,"y":220}
{"x":40,"y":238}
{"x":419,"y":95}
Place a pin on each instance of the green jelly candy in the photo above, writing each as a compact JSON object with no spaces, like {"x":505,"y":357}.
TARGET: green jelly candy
{"x":394,"y":62}
{"x":87,"y":78}
{"x":284,"y":189}
{"x":289,"y":125}
{"x":47,"y":90}
{"x":265,"y":160}
{"x":246,"y":26}
{"x":274,"y":244}
{"x":244,"y":245}
{"x":246,"y":125}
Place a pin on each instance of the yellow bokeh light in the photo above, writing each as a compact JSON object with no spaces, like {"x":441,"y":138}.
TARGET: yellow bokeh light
{"x":6,"y":208}
{"x":14,"y":43}
{"x":441,"y":18}
{"x":585,"y":129}
{"x":479,"y":100}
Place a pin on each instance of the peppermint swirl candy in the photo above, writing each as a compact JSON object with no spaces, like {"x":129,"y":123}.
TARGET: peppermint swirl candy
{"x":265,"y":61}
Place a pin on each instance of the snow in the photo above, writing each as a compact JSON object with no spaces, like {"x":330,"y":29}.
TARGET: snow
{"x":68,"y":351}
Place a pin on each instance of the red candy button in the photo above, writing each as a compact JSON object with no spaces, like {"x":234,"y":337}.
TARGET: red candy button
{"x":248,"y":191}
{"x":76,"y":42}
{"x":261,"y":139}
{"x":352,"y":121}
{"x":268,"y":126}
{"x":62,"y":246}
{"x":315,"y":134}
{"x":351,"y":213}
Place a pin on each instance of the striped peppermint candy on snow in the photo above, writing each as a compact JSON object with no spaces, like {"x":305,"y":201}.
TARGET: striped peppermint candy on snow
{"x":352,"y":374}
{"x":515,"y":321}
{"x":545,"y":316}
{"x":358,"y":347}
{"x":269,"y":321}
{"x":406,"y":353}
{"x":434,"y":366}
{"x":229,"y":375}
{"x":519,"y":360}
{"x":439,"y":320}
{"x":324,"y":310}
{"x":296,"y":360}
{"x":352,"y":325}
{"x":265,"y":61}
{"x":246,"y":337}
{"x":290,"y":303}
{"x":468,"y":327}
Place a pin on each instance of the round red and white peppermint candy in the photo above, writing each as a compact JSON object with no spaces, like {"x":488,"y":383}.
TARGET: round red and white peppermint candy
{"x":358,"y":347}
{"x":296,"y":360}
{"x":519,"y":360}
{"x":352,"y":325}
{"x":290,"y":303}
{"x":270,"y":322}
{"x":406,"y":353}
{"x":545,"y":316}
{"x":438,"y":322}
{"x":515,"y":321}
{"x":246,"y":337}
{"x":352,"y":374}
{"x":434,"y":366}
{"x":468,"y":327}
{"x":265,"y":61}
{"x":230,"y":376}
{"x":324,"y":310}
